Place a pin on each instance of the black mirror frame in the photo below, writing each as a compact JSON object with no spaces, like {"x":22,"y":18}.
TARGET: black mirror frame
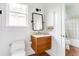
{"x":33,"y":22}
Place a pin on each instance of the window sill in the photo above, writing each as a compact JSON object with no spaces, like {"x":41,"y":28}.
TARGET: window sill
{"x":16,"y":26}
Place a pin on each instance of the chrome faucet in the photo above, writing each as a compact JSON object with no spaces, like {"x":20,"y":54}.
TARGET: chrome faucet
{"x":38,"y":32}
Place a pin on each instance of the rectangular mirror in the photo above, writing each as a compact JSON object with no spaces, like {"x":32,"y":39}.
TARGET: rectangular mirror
{"x":37,"y":22}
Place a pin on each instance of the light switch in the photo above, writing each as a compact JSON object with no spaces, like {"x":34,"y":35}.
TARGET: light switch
{"x":0,"y":11}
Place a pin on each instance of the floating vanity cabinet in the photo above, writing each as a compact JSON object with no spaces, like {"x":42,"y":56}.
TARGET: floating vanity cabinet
{"x":40,"y":43}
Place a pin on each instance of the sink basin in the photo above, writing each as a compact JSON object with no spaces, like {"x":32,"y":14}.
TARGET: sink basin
{"x":40,"y":33}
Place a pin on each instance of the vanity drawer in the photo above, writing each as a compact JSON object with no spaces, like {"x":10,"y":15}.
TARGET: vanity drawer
{"x":40,"y":44}
{"x":44,"y":47}
{"x":43,"y":41}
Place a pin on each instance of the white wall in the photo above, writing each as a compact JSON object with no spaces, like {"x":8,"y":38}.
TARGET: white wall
{"x":72,"y":10}
{"x":50,"y":13}
{"x":9,"y":34}
{"x":72,"y":21}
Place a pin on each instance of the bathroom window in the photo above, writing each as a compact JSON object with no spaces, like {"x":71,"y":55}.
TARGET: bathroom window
{"x":17,"y":15}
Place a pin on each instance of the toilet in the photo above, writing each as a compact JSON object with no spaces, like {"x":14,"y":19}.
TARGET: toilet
{"x":18,"y":48}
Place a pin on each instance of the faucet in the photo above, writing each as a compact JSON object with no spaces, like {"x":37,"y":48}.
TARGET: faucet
{"x":38,"y":32}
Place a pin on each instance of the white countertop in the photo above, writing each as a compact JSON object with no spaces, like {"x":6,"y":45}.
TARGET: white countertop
{"x":41,"y":35}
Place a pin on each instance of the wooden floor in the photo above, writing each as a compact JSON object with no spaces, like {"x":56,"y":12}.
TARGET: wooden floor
{"x":74,"y":51}
{"x":45,"y":54}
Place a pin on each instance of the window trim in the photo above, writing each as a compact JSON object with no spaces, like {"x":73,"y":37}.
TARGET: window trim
{"x":7,"y":17}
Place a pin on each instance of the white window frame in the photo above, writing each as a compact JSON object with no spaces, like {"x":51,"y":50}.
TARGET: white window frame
{"x":17,"y":14}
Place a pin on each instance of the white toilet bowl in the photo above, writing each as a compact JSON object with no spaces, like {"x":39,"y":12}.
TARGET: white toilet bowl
{"x":18,"y":48}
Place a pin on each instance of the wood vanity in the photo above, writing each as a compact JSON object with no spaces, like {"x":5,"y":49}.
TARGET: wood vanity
{"x":40,"y":43}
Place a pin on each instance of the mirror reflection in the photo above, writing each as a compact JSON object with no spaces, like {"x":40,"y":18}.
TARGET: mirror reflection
{"x":37,"y":22}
